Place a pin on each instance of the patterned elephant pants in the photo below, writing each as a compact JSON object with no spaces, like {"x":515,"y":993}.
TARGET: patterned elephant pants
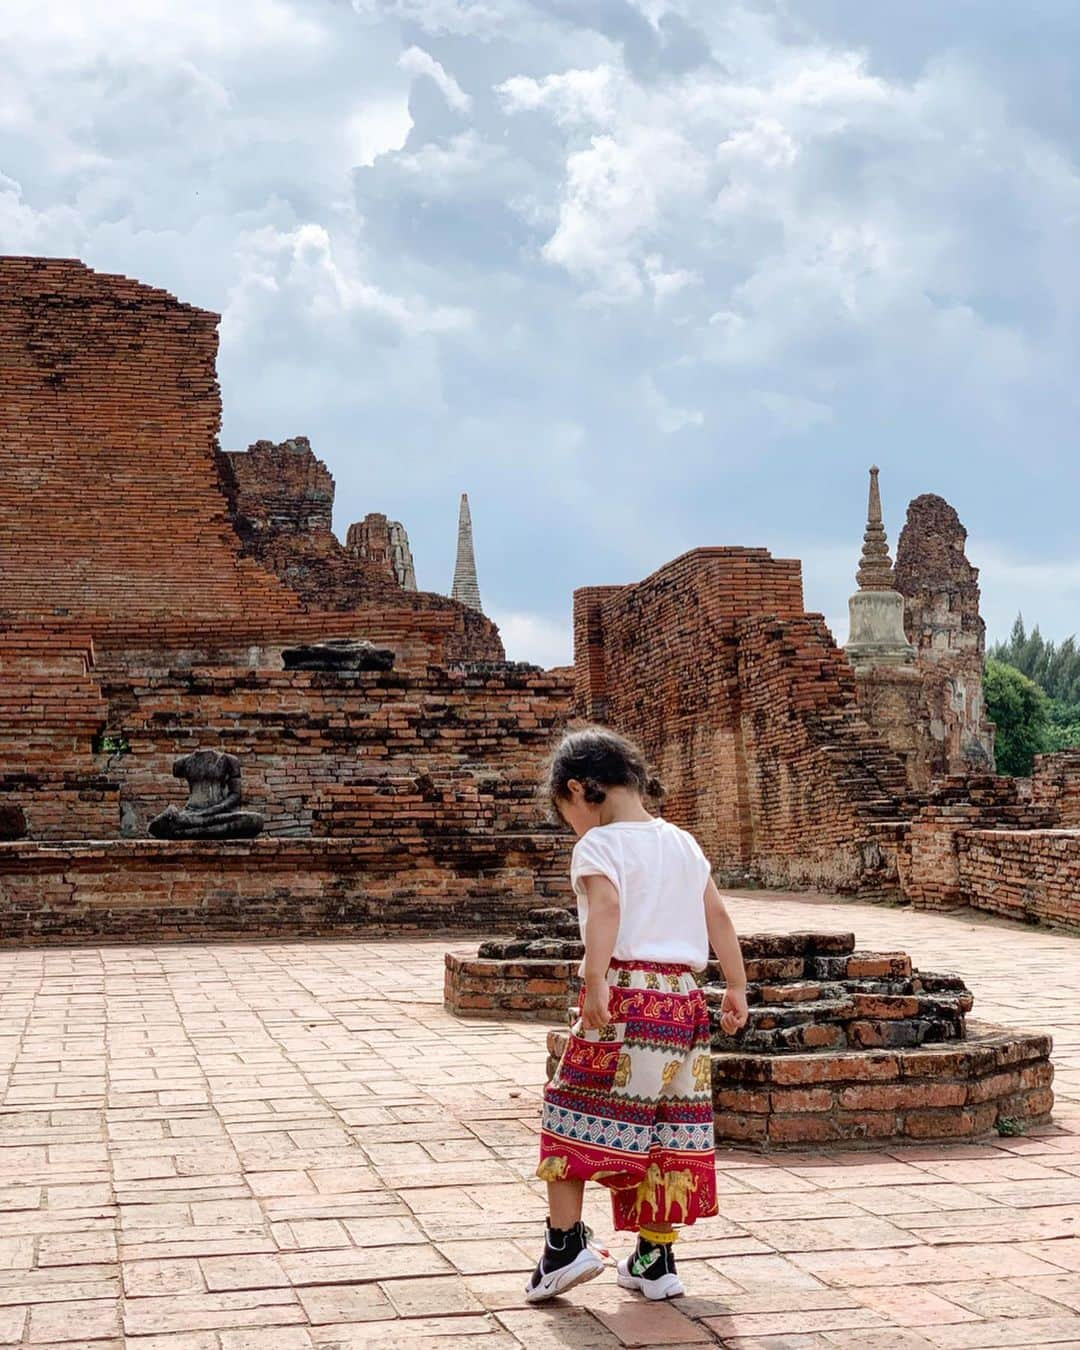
{"x":630,"y":1105}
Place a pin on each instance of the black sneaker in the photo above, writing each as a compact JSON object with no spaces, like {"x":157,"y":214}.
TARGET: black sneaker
{"x":651,"y":1270}
{"x":567,"y":1260}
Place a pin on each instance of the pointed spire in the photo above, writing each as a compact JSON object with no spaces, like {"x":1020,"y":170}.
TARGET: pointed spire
{"x":875,"y":567}
{"x":466,"y":588}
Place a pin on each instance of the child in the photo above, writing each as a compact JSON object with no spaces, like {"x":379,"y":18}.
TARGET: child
{"x":630,"y":1104}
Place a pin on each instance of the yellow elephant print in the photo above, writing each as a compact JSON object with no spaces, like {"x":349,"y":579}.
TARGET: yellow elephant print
{"x":652,"y":980}
{"x":648,"y":1191}
{"x":678,"y":1188}
{"x":702,"y":1068}
{"x":623,"y":1070}
{"x":670,"y":1073}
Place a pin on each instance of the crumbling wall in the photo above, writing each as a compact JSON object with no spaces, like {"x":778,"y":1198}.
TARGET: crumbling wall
{"x":281,"y":501}
{"x":822,"y":788}
{"x":112,"y":508}
{"x":384,"y":542}
{"x":405,"y":758}
{"x":657,"y":660}
{"x":943,"y":623}
{"x":747,"y":708}
{"x":1032,"y":875}
{"x":137,"y":890}
{"x":51,"y":714}
{"x":930,"y":860}
{"x":1055,"y":782}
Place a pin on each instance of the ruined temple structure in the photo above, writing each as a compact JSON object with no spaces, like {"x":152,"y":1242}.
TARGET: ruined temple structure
{"x":748,"y":709}
{"x":942,"y":620}
{"x":385,"y":543}
{"x":799,"y":764}
{"x":160,"y":596}
{"x":842,"y":1046}
{"x":917,"y":644}
{"x":150,"y":586}
{"x":281,"y":502}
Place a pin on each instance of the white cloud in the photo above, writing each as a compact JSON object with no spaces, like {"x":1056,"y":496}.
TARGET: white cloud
{"x":375,"y":129}
{"x":647,"y":296}
{"x":616,"y":194}
{"x":470,"y":18}
{"x":302,"y":264}
{"x":574,"y":97}
{"x":419,"y":63}
{"x":532,"y":637}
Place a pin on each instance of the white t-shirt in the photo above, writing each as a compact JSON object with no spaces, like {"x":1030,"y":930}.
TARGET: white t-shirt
{"x":660,"y":873}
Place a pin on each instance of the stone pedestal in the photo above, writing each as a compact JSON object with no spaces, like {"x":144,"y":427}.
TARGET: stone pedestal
{"x":876,"y":633}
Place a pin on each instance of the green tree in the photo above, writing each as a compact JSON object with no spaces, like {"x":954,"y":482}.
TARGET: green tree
{"x":1021,"y":711}
{"x":1055,"y":669}
{"x":1063,"y":726}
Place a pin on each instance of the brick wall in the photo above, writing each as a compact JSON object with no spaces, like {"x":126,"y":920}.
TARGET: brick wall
{"x":747,"y":708}
{"x":395,"y":756}
{"x":929,"y":858}
{"x":658,"y":661}
{"x":819,"y":782}
{"x":1055,"y":782}
{"x":153,"y":891}
{"x":110,"y":509}
{"x":51,"y":710}
{"x":1032,"y":875}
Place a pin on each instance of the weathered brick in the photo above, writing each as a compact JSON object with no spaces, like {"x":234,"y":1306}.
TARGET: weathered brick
{"x":791,"y":1101}
{"x":902,"y":1096}
{"x":805,"y":1129}
{"x":879,"y":965}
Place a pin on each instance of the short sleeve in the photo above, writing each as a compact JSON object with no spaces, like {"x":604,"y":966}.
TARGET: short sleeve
{"x":592,"y":857}
{"x":698,"y":854}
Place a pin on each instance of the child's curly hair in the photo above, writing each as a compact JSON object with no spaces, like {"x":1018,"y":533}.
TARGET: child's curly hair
{"x":599,"y":759}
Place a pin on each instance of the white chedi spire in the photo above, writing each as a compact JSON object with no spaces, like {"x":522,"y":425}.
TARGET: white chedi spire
{"x":466,"y":588}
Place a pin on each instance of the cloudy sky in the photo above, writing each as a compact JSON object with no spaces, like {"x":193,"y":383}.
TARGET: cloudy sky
{"x":640,"y":275}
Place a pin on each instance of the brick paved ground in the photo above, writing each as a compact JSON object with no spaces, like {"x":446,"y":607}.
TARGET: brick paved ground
{"x":291,"y":1145}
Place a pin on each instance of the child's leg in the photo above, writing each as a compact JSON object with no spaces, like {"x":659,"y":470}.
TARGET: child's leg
{"x":650,"y":1268}
{"x":567,"y":1260}
{"x":565,"y":1199}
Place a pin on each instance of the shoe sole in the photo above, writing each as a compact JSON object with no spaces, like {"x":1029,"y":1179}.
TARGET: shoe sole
{"x":657,"y":1291}
{"x":558,"y":1282}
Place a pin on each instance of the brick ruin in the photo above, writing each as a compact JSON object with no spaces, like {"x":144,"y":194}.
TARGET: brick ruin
{"x":150,"y":585}
{"x":748,"y":708}
{"x":152,"y":581}
{"x":931,"y":710}
{"x":842,"y":1046}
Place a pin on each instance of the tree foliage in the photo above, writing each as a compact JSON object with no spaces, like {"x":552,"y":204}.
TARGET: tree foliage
{"x":1021,"y":710}
{"x":1026,"y":725}
{"x":1054,"y":668}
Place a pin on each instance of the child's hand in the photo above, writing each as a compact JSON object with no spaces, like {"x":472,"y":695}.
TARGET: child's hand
{"x":594,"y":1007}
{"x":734,"y":1011}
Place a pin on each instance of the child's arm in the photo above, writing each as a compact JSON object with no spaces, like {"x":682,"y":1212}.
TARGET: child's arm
{"x":725,"y":943}
{"x":601,"y":931}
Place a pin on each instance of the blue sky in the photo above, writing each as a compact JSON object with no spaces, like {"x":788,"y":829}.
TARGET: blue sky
{"x":639,"y":275}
